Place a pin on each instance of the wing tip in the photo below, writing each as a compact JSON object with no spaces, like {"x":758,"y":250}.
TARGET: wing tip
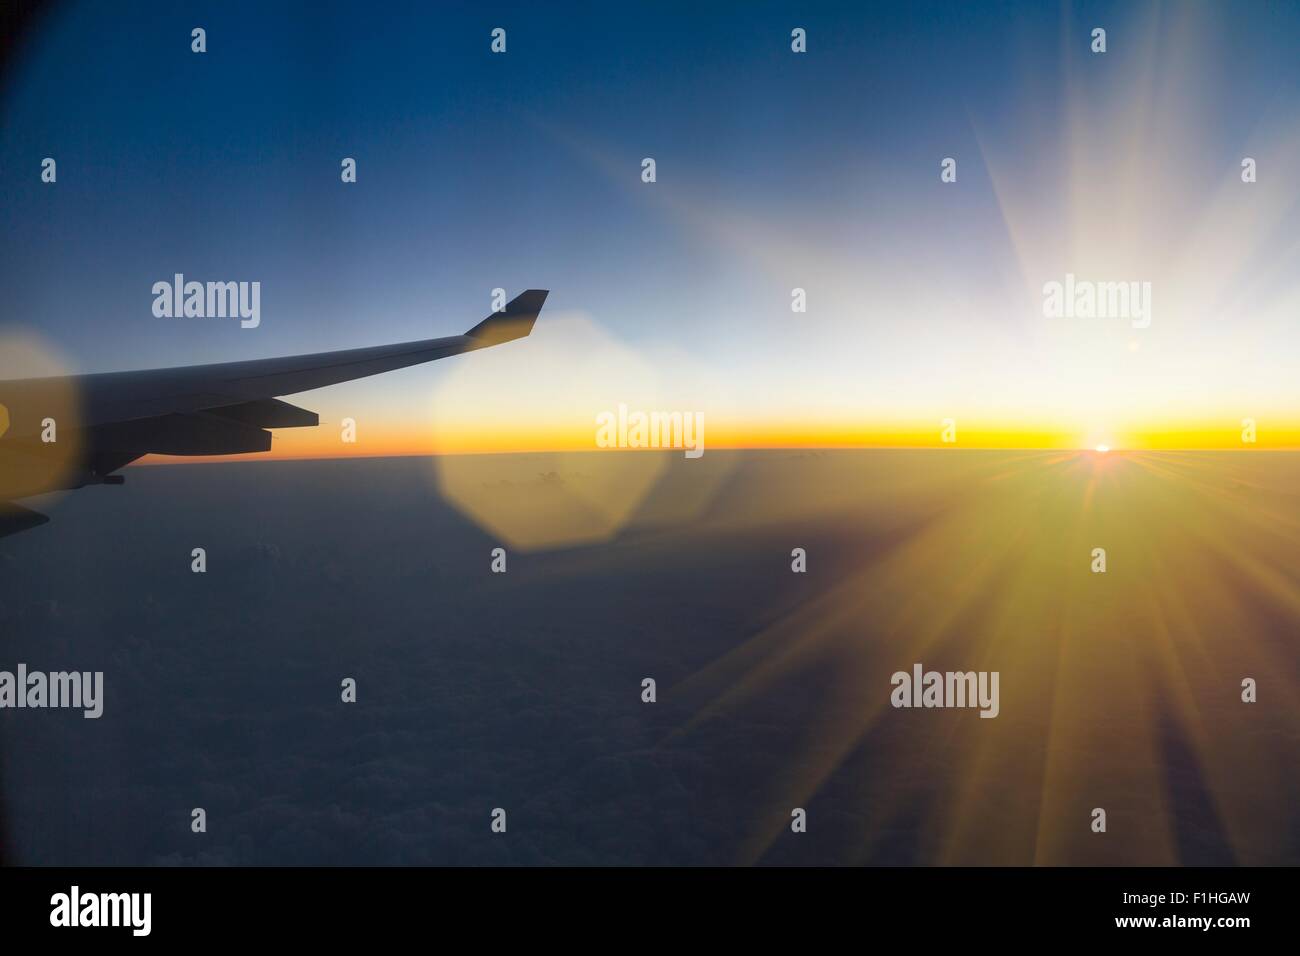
{"x":514,"y":322}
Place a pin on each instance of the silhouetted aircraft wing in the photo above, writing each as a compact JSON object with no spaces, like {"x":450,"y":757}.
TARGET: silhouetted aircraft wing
{"x":225,"y":409}
{"x":128,"y":396}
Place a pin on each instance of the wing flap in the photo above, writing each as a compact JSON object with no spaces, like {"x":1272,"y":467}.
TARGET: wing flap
{"x":268,"y":413}
{"x":189,"y":435}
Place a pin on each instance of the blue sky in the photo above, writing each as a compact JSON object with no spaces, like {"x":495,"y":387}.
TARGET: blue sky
{"x":774,"y":171}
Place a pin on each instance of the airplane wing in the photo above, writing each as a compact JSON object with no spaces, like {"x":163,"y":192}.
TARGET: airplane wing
{"x":223,"y":409}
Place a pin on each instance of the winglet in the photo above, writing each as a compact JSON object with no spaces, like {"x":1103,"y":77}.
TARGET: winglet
{"x":514,"y":322}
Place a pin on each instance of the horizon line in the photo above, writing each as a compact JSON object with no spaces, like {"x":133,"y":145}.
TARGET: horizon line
{"x":162,"y":460}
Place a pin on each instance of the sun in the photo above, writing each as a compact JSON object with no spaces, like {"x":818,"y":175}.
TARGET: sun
{"x":1103,"y":448}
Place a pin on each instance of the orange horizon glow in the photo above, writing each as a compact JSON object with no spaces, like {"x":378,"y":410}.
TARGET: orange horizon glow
{"x":392,"y":442}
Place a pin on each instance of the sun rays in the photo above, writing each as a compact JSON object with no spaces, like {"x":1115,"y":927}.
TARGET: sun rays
{"x":1119,"y":689}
